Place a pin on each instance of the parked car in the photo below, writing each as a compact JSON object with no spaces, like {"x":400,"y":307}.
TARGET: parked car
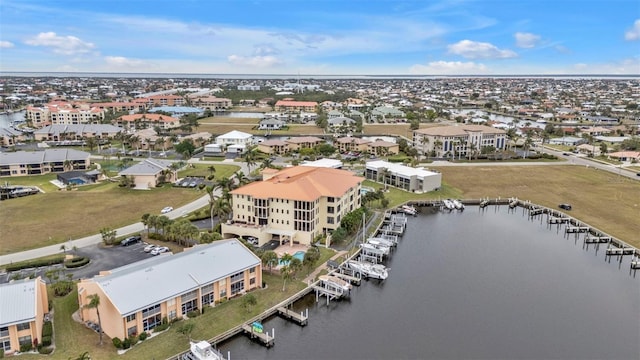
{"x":166,"y":210}
{"x":565,"y":206}
{"x":149,"y":248}
{"x":159,"y":250}
{"x":131,"y":240}
{"x":252,"y":240}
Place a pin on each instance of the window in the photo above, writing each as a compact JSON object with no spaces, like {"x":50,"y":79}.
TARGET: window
{"x":5,"y":344}
{"x":188,"y":306}
{"x":330,"y":209}
{"x":151,"y":311}
{"x":237,"y":287}
{"x":131,"y":317}
{"x":151,"y":322}
{"x":4,"y":331}
{"x":23,"y":326}
{"x":132,"y":331}
{"x":252,"y":281}
{"x":330,"y":220}
{"x":172,"y":315}
{"x":24,"y":340}
{"x":252,"y":270}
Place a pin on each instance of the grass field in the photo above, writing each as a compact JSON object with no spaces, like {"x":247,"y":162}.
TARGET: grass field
{"x":56,"y":216}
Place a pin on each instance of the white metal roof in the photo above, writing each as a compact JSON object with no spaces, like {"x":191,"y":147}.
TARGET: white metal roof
{"x":400,"y":169}
{"x":235,"y":134}
{"x":18,"y":302}
{"x":138,"y":286}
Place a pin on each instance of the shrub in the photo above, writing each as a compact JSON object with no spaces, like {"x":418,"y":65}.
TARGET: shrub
{"x":47,"y":328}
{"x":35,"y":263}
{"x":192,"y":314}
{"x":126,"y":343}
{"x":143,"y":336}
{"x":76,"y":262}
{"x":62,"y":288}
{"x":45,"y":350}
{"x":161,"y":327}
{"x":1,"y":353}
{"x":46,"y":340}
{"x":26,"y":347}
{"x":117,"y":342}
{"x":133,"y":340}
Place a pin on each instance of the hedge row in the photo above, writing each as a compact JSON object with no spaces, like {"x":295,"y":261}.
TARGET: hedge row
{"x":35,"y":263}
{"x":76,"y":262}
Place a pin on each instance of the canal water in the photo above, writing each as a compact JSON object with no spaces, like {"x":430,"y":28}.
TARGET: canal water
{"x":478,"y":284}
{"x":7,"y":119}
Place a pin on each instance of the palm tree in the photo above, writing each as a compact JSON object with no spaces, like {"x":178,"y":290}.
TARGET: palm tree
{"x":270,"y":259}
{"x":94,"y":303}
{"x":310,"y":258}
{"x":212,"y":170}
{"x":219,"y":207}
{"x":286,"y":270}
{"x":67,"y":165}
{"x":162,"y":222}
{"x":295,"y":265}
{"x":91,"y":143}
{"x":250,"y":156}
{"x":242,"y":178}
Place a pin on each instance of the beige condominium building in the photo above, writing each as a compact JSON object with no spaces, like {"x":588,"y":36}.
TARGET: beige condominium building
{"x":458,"y":140}
{"x":23,"y":307}
{"x":293,"y":205}
{"x":138,"y":297}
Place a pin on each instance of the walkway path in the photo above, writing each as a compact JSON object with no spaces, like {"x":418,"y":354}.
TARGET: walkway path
{"x":314,"y":274}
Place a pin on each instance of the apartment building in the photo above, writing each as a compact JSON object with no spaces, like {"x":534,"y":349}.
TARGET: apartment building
{"x":295,"y":106}
{"x":120,"y":106}
{"x":162,"y":100}
{"x":76,"y":132}
{"x":22,"y":163}
{"x":403,"y":177}
{"x":293,"y":205}
{"x":212,"y":103}
{"x":458,"y":140}
{"x":136,"y":298}
{"x":147,"y":121}
{"x":64,"y":113}
{"x":23,"y":307}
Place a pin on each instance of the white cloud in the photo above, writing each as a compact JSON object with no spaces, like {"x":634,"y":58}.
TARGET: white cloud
{"x":66,"y":45}
{"x":448,"y":68}
{"x":123,"y":62}
{"x":526,"y":40}
{"x":562,"y":49}
{"x":255,"y":61}
{"x":634,"y":32}
{"x":627,"y":66}
{"x":6,"y":44}
{"x":479,"y":50}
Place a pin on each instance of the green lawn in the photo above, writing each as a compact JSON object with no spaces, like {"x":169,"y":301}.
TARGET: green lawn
{"x":222,"y":171}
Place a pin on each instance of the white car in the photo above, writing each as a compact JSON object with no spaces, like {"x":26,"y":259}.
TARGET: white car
{"x":159,"y":250}
{"x":166,"y":210}
{"x":149,"y":248}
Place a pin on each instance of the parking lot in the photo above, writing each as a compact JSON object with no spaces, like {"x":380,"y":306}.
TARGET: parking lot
{"x":191,"y":182}
{"x":102,"y":258}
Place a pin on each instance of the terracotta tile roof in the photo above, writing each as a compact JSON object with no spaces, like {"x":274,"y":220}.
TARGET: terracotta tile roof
{"x":303,"y":183}
{"x":273,"y":142}
{"x":295,"y":103}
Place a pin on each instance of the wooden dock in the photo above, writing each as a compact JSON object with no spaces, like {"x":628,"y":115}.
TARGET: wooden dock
{"x":597,"y":239}
{"x":621,"y":251}
{"x":264,"y":337}
{"x":352,"y":279}
{"x":557,"y":220}
{"x":577,"y":229}
{"x":299,"y":318}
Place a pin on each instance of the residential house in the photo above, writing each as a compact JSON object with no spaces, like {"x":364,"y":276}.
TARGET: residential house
{"x":162,"y":100}
{"x":9,"y":136}
{"x":22,"y":163}
{"x":212,"y":103}
{"x":293,"y":205}
{"x":24,"y":305}
{"x":116,"y":107}
{"x":271,"y":124}
{"x":340,"y":122}
{"x":567,"y":140}
{"x":136,"y":298}
{"x":235,"y":137}
{"x":625,"y":156}
{"x":149,"y":173}
{"x":403,"y":177}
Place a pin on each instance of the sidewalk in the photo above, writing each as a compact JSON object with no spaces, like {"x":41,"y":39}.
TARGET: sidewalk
{"x":314,"y":274}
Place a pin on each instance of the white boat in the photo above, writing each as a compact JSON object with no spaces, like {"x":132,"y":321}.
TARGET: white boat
{"x":375,"y":271}
{"x":458,"y":204}
{"x":202,"y":350}
{"x":336,"y":282}
{"x":381,"y":241}
{"x":409,"y":210}
{"x":448,"y":204}
{"x":375,"y":249}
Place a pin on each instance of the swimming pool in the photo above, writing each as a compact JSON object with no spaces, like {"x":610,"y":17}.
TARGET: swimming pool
{"x":298,"y":255}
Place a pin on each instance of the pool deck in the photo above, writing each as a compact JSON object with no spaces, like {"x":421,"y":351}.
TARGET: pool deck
{"x":290,"y":249}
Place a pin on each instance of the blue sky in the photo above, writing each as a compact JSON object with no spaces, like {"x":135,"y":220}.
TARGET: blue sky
{"x":323,"y":37}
